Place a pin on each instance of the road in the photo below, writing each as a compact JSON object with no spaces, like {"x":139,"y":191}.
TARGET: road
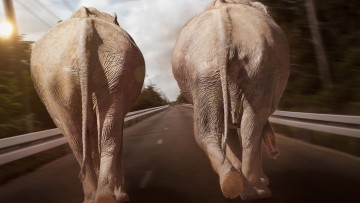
{"x":164,"y":164}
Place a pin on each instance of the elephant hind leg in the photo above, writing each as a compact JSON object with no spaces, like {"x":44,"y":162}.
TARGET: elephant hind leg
{"x":252,"y":126}
{"x":89,"y":184}
{"x":231,"y":180}
{"x":234,"y":148}
{"x":70,"y":126}
{"x":119,"y":191}
{"x":110,"y":143}
{"x":106,"y":182}
{"x":209,"y":138}
{"x":232,"y":184}
{"x":105,"y":197}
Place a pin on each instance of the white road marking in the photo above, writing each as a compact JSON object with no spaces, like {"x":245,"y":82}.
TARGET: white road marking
{"x":160,"y":141}
{"x":146,"y":179}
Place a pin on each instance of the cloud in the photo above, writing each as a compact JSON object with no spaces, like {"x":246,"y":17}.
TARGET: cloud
{"x":34,"y":20}
{"x":154,"y":25}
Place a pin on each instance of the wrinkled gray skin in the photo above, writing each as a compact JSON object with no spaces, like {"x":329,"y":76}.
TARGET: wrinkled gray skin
{"x":232,"y":62}
{"x":89,"y":72}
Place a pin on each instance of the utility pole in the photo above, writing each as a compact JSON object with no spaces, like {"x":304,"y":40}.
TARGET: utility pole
{"x":10,"y":15}
{"x":318,"y":44}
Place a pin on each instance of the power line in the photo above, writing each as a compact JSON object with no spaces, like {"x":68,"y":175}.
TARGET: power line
{"x":48,"y":10}
{"x":34,"y":14}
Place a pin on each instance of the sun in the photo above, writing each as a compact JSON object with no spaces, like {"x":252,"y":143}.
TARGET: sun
{"x":6,"y":29}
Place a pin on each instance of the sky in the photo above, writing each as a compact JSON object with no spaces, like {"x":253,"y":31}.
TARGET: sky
{"x":153,"y":24}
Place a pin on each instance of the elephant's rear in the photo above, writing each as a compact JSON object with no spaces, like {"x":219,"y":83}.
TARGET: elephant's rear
{"x":89,"y":72}
{"x":243,"y":39}
{"x":111,"y":59}
{"x":258,"y":58}
{"x":54,"y":71}
{"x":232,"y":61}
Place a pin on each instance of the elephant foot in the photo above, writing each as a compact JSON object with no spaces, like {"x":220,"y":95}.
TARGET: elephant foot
{"x":264,"y":179}
{"x":89,"y":201}
{"x":105,"y":197}
{"x":257,"y":191}
{"x":89,"y":198}
{"x":122,"y":197}
{"x":232,"y":185}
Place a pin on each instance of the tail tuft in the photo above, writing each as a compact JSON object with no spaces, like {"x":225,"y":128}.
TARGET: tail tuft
{"x":270,"y":142}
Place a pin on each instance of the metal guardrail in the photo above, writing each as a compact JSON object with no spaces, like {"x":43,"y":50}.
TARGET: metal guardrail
{"x":11,"y":149}
{"x":334,"y":124}
{"x":328,"y":123}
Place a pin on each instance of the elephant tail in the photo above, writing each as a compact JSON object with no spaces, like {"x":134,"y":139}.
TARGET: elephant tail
{"x":85,"y":37}
{"x":225,"y":94}
{"x":224,"y":28}
{"x":270,"y":142}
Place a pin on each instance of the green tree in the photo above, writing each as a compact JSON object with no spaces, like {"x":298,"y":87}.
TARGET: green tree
{"x":149,"y":97}
{"x":181,"y":99}
{"x":339,"y":28}
{"x":20,"y":107}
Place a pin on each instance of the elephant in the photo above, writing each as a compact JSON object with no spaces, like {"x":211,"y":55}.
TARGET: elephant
{"x":88,"y":72}
{"x":232,"y":62}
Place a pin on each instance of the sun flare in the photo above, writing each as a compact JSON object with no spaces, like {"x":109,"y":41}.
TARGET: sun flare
{"x":6,"y":29}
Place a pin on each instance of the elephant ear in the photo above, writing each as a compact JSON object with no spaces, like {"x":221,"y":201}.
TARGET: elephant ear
{"x":115,"y":20}
{"x":259,"y":6}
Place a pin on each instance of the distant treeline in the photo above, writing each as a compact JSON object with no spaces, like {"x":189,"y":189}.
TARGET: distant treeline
{"x":150,"y":97}
{"x":339,"y":28}
{"x":21,"y":110}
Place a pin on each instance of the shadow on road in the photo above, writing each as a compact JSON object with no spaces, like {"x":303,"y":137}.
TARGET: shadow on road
{"x":156,"y":194}
{"x":312,"y":186}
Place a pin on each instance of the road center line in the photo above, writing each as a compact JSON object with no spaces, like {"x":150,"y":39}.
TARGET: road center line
{"x":160,"y":141}
{"x":145,"y":180}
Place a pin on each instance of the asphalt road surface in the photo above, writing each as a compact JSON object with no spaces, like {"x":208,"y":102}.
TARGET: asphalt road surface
{"x":163,"y":164}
